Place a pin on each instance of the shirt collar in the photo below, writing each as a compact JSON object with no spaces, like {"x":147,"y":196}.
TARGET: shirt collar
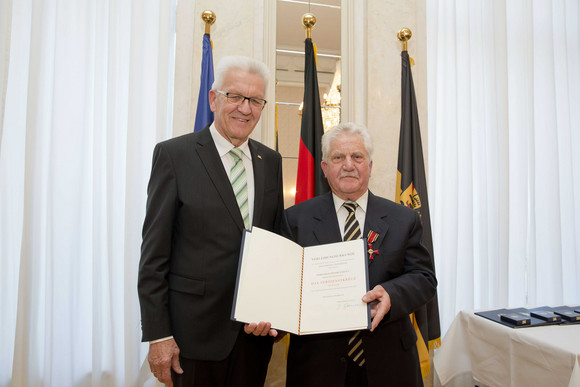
{"x":224,"y":146}
{"x":362,"y":201}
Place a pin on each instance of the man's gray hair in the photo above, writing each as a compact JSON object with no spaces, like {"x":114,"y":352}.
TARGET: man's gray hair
{"x":347,"y":128}
{"x":238,"y":62}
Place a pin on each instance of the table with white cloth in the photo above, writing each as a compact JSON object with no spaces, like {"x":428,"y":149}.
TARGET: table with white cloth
{"x":497,"y":355}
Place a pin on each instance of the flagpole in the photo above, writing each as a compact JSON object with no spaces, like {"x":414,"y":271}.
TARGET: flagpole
{"x":411,"y":190}
{"x":308,"y":20}
{"x":204,"y":116}
{"x":208,"y":16}
{"x":310,"y":180}
{"x":404,"y":35}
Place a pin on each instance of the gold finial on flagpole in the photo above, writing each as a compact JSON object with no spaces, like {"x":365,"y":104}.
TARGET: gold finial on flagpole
{"x":404,"y":35}
{"x":308,"y":21}
{"x":209,"y":18}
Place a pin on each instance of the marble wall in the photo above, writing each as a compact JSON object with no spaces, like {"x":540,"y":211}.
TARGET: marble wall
{"x":235,"y":32}
{"x":373,"y":75}
{"x":384,"y":20}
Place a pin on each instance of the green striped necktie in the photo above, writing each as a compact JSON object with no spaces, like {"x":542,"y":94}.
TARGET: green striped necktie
{"x":240,"y":184}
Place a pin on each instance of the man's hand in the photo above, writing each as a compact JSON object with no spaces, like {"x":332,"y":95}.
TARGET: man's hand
{"x":163,"y":356}
{"x":380,"y":304}
{"x":261,"y":329}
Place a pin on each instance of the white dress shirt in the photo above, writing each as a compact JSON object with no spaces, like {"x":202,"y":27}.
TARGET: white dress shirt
{"x":224,"y":147}
{"x":360,"y":213}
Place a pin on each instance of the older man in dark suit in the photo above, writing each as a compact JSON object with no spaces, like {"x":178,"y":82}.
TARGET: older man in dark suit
{"x":205,"y":189}
{"x":401,"y":277}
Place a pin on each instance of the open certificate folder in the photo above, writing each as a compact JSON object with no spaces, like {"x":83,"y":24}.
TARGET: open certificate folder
{"x":316,"y":289}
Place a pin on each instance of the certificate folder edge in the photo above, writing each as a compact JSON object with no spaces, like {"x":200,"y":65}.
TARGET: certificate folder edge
{"x":367,"y":260}
{"x":301,"y":289}
{"x":234,"y":304}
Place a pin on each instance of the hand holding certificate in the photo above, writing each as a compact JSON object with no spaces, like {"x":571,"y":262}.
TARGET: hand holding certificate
{"x":309,"y":290}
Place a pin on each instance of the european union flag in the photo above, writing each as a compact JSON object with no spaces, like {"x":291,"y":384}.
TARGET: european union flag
{"x":204,"y":116}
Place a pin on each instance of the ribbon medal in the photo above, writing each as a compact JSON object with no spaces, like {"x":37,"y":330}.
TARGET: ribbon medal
{"x":371,"y":237}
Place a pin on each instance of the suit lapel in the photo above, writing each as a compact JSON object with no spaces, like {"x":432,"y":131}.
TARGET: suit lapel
{"x":375,"y":220}
{"x":258,"y":165}
{"x":210,"y":158}
{"x":326,"y":230}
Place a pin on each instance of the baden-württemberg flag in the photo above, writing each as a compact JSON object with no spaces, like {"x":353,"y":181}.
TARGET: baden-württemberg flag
{"x":204,"y":115}
{"x":411,"y":191}
{"x":310,"y":180}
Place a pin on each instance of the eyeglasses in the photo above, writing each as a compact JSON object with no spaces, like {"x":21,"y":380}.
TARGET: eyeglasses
{"x":238,"y":99}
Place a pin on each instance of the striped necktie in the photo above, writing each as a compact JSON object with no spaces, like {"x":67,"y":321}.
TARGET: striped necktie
{"x":240,"y":185}
{"x":352,"y":231}
{"x":351,"y":226}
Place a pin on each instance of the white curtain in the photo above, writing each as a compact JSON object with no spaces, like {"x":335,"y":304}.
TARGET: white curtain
{"x":504,"y":160}
{"x":88,"y":89}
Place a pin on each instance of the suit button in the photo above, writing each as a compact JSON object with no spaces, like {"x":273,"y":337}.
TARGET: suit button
{"x":343,"y":359}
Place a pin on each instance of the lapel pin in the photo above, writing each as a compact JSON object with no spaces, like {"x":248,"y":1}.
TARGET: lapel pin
{"x":260,"y":157}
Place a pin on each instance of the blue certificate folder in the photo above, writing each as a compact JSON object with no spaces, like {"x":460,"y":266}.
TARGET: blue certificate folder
{"x":496,"y":315}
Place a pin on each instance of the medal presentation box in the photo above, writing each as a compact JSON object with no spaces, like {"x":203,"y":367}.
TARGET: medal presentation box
{"x":540,"y":316}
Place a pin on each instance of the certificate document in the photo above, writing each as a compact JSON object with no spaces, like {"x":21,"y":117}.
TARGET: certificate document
{"x":316,"y":289}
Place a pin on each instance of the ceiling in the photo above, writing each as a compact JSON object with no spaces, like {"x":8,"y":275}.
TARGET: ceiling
{"x":290,"y":35}
{"x":290,"y":32}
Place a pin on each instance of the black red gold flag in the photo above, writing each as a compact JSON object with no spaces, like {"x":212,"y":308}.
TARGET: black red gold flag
{"x":310,"y":180}
{"x":411,"y":191}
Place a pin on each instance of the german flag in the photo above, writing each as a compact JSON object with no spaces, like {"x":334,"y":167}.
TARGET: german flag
{"x":411,"y":191}
{"x":310,"y":180}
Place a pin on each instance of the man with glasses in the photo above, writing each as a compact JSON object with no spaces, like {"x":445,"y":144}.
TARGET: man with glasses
{"x":205,"y":189}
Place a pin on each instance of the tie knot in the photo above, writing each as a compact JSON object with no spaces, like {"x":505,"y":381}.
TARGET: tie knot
{"x":236,"y":153}
{"x":350,"y":207}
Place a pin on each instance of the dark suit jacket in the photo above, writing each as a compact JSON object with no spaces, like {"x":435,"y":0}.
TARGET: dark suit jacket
{"x":402,"y":267}
{"x":191,"y":242}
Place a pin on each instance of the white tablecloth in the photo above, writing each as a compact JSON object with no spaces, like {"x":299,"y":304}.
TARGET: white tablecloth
{"x":498,"y":355}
